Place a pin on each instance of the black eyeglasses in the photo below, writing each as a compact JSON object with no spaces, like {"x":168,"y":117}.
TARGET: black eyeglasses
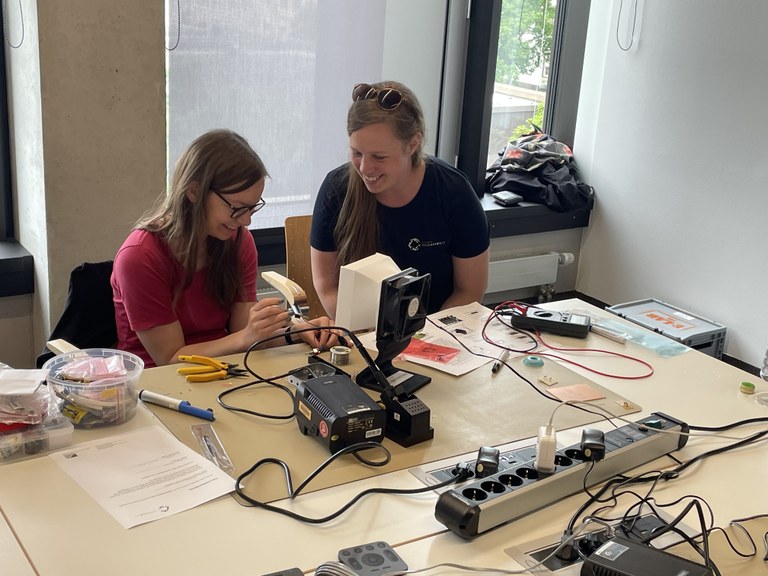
{"x":238,"y":211}
{"x":387,"y":98}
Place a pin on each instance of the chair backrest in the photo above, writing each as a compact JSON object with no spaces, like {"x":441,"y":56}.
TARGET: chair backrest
{"x":297,"y":260}
{"x":88,"y":320}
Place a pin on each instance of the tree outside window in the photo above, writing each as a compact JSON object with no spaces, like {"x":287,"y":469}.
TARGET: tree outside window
{"x":525,"y":44}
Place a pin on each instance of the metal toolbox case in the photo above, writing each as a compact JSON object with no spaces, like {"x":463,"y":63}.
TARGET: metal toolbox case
{"x":689,"y":329}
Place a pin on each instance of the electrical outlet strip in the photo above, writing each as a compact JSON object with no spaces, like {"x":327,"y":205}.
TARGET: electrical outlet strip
{"x":473,"y":509}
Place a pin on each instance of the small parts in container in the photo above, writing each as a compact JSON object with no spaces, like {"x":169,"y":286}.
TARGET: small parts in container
{"x":53,"y":433}
{"x":27,"y":409}
{"x":87,"y":417}
{"x":23,"y":405}
{"x":92,"y":368}
{"x":23,"y":400}
{"x":29,"y":423}
{"x":10,"y":444}
{"x":96,"y":397}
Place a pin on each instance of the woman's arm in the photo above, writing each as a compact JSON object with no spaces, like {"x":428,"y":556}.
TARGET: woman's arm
{"x":470,"y":279}
{"x":325,"y":277}
{"x":249,"y":323}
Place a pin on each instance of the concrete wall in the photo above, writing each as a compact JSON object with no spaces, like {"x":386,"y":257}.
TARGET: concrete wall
{"x":87,"y":99}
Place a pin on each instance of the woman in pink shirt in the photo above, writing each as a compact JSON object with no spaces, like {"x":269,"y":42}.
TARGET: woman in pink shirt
{"x":184,"y":281}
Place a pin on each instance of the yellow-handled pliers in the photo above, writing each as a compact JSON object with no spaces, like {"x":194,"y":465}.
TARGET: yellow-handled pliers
{"x":209,"y":370}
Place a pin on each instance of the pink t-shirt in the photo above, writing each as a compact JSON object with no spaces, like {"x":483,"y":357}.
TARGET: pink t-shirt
{"x":143,"y":281}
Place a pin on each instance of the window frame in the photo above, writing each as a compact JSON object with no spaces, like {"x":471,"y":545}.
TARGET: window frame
{"x":562,"y":96}
{"x":16,"y":264}
{"x":7,"y":228}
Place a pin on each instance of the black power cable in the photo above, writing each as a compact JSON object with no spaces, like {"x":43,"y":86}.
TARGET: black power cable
{"x":354,"y":449}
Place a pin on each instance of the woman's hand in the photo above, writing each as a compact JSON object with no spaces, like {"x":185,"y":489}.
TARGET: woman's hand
{"x":320,"y":339}
{"x":265,"y":318}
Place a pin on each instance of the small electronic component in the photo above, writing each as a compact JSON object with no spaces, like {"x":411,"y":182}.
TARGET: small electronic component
{"x":212,"y":448}
{"x":548,"y":380}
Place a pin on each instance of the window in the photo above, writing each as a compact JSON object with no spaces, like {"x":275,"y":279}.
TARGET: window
{"x":522,"y":70}
{"x":281,"y":74}
{"x":524,"y":63}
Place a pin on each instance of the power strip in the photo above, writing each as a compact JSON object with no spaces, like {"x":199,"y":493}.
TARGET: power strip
{"x":475,"y":508}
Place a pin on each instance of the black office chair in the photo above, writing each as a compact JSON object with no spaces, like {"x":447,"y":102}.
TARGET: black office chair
{"x":88,"y":320}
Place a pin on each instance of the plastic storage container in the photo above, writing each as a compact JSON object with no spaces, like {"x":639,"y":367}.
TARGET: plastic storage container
{"x":764,"y":369}
{"x":693,"y":331}
{"x":95,"y":386}
{"x":53,"y":433}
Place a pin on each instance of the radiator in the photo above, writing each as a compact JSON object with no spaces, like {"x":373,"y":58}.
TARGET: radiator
{"x":522,"y":272}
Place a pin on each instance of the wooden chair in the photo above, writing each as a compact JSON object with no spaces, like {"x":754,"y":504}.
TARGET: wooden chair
{"x":297,"y":261}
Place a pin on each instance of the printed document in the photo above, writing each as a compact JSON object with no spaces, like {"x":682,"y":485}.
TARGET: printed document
{"x":143,"y":475}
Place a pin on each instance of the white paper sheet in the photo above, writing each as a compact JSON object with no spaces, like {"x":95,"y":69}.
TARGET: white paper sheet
{"x":144,"y":475}
{"x":465,"y":324}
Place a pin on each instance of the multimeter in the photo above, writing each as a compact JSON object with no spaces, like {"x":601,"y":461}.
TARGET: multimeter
{"x":562,"y":323}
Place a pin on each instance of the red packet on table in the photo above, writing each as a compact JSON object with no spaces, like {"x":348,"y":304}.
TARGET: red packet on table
{"x":428,"y":351}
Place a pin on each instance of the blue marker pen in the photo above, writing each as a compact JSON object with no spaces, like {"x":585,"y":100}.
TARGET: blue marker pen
{"x":174,"y":404}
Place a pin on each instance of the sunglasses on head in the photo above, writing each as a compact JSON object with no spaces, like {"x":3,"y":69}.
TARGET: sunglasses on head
{"x":386,"y":98}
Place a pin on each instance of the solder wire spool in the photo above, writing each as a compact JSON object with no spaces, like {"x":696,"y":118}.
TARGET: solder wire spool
{"x":340,"y":355}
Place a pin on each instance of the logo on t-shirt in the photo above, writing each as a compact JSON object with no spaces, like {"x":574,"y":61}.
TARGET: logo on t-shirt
{"x":415,"y":244}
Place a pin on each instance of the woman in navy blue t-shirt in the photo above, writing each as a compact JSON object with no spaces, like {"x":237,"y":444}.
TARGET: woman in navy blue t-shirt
{"x":392,"y":198}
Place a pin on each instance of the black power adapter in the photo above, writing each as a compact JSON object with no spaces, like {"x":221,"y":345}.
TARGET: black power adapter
{"x":592,"y":444}
{"x":487,"y":462}
{"x":622,"y":557}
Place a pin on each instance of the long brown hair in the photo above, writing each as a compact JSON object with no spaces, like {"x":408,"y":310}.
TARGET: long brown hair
{"x":218,"y":161}
{"x":357,"y":229}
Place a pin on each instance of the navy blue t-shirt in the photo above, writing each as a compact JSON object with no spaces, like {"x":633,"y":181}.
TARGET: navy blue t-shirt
{"x":444,"y":219}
